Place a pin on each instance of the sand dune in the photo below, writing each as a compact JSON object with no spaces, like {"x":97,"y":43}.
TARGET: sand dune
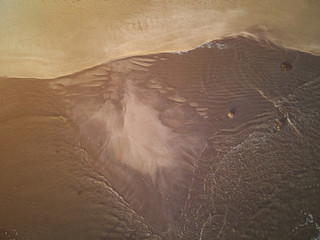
{"x":47,"y":39}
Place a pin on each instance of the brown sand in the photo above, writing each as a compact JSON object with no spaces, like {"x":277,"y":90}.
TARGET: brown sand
{"x":138,"y":143}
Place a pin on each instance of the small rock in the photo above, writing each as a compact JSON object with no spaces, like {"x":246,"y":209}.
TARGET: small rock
{"x":279,"y":126}
{"x":285,"y":66}
{"x":230,"y":114}
{"x":280,"y":123}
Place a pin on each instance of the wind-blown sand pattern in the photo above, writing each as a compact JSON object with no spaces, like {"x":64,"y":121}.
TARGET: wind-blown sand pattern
{"x":46,"y":39}
{"x":143,"y":148}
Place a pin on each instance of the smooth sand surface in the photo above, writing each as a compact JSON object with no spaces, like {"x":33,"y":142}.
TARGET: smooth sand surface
{"x":46,"y":39}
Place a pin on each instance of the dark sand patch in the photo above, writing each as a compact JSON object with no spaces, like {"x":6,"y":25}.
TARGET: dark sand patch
{"x":146,"y":147}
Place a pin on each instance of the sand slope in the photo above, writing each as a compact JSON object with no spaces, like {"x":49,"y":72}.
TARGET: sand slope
{"x":54,"y":38}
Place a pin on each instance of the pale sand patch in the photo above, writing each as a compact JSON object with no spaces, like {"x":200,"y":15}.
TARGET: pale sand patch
{"x":177,"y":98}
{"x":54,"y":38}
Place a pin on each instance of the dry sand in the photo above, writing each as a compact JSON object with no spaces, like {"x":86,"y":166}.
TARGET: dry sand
{"x":52,"y":38}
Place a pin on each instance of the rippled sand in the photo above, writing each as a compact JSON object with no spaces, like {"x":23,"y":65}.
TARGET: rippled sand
{"x":114,"y":120}
{"x":143,"y":148}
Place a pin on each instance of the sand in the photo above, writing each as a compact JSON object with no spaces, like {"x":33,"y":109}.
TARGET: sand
{"x":114,"y":119}
{"x":46,"y":39}
{"x":103,"y":153}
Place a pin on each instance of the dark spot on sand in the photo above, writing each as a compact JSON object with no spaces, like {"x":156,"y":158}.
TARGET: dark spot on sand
{"x":285,"y":66}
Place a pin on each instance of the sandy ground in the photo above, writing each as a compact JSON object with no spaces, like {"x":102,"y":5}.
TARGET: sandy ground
{"x":142,"y":148}
{"x":54,"y":179}
{"x":45,"y":39}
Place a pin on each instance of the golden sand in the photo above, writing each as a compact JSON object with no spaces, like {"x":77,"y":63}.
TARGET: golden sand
{"x":52,"y":38}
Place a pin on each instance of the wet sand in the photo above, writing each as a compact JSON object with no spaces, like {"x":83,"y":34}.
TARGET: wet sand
{"x":143,"y":148}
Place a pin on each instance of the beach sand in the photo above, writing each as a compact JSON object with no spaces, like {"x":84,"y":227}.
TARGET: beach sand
{"x":46,"y":39}
{"x":143,"y":148}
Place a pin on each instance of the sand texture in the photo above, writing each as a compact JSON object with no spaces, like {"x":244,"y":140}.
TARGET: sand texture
{"x":45,"y":39}
{"x":143,"y":147}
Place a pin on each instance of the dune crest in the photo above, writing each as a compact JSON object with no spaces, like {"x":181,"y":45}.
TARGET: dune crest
{"x":46,"y":39}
